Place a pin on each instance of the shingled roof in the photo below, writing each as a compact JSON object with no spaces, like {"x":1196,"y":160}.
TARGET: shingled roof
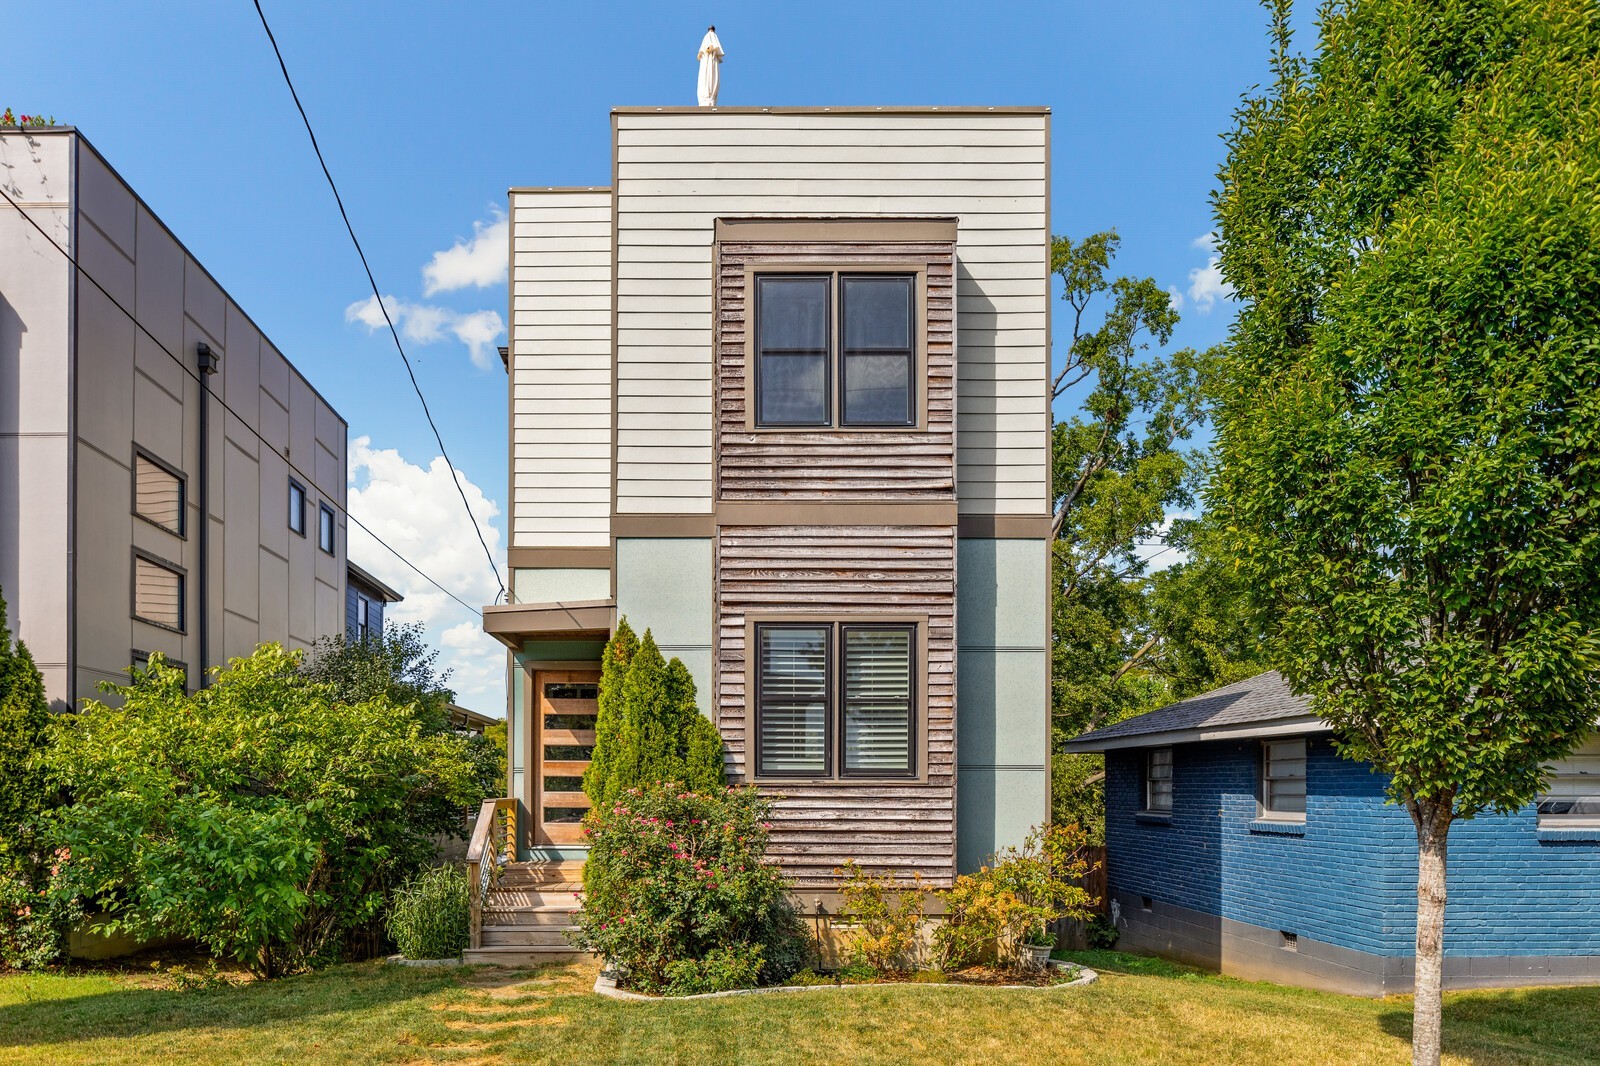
{"x":1257,"y":706}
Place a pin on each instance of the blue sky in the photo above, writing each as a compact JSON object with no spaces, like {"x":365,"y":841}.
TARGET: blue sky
{"x":427,"y":112}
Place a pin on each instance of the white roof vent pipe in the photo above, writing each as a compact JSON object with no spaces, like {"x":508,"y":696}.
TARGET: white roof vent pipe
{"x":710,"y":57}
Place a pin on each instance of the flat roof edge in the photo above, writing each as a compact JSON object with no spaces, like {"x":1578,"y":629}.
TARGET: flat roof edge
{"x":962,"y":109}
{"x":559,"y":188}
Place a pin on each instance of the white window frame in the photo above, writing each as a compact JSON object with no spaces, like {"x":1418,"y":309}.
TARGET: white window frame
{"x":1266,"y":808}
{"x":1581,"y":768}
{"x":1154,"y":760}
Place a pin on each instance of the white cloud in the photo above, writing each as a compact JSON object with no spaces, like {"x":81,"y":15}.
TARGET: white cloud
{"x":1174,"y":298}
{"x":429,"y":324}
{"x":418,"y":511}
{"x":479,"y":262}
{"x":1206,"y":284}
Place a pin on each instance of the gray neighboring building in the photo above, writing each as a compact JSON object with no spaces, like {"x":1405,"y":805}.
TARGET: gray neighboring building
{"x":365,"y":601}
{"x":112,"y":545}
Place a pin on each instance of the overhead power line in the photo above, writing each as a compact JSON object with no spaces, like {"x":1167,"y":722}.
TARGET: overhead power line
{"x":377,"y":296}
{"x":195,"y":376}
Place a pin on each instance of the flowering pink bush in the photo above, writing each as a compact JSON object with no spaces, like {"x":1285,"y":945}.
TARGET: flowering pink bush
{"x":676,"y":895}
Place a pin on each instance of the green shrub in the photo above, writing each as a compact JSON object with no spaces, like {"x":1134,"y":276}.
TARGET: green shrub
{"x":887,"y":914}
{"x":649,"y":728}
{"x":674,"y":877}
{"x":722,"y":970}
{"x":259,"y":815}
{"x":1015,"y":898}
{"x":36,"y":917}
{"x":24,"y":733}
{"x":431,"y":915}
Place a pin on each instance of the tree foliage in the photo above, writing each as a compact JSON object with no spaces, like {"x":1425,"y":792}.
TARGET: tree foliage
{"x":1410,"y":410}
{"x":261,"y":815}
{"x":24,"y":732}
{"x":649,"y":728}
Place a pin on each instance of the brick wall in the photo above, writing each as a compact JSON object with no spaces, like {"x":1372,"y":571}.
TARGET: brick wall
{"x":1349,"y":879}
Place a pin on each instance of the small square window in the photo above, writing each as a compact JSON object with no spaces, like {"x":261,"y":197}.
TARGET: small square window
{"x":297,"y":507}
{"x":1158,"y":781}
{"x":158,"y":493}
{"x":1283,"y":778}
{"x":158,"y":592}
{"x":325,"y":528}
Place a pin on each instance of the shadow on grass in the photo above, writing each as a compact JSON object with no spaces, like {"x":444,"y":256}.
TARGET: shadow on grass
{"x":1535,"y":1025}
{"x":117,"y":1010}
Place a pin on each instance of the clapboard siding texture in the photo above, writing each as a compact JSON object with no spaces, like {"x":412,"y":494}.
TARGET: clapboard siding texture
{"x":561,"y":380}
{"x":839,"y":573}
{"x":676,"y":173}
{"x":813,"y":464}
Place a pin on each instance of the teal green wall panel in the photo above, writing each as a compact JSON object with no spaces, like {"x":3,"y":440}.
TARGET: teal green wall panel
{"x":995,"y":808}
{"x":1000,"y":696}
{"x":664,"y":585}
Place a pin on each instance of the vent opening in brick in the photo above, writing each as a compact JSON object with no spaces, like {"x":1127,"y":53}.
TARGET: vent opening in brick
{"x":1146,"y":902}
{"x":1291,"y":941}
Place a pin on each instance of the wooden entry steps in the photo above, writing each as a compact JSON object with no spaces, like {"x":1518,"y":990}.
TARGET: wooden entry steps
{"x":528,"y":914}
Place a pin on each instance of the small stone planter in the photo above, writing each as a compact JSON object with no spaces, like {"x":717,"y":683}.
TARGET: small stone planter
{"x":401,"y":960}
{"x":1034,"y":957}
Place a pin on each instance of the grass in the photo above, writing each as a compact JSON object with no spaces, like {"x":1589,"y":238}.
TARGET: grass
{"x":1141,"y":1011}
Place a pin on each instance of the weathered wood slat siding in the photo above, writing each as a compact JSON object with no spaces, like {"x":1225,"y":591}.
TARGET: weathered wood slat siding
{"x":838,"y":573}
{"x":676,"y":173}
{"x":561,"y":368}
{"x":811,"y":464}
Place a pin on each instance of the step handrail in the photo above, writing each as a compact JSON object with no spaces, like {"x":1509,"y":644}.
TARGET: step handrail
{"x":492,"y":848}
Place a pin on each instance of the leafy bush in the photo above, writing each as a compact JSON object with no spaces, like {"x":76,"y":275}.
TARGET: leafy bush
{"x":888,"y":915}
{"x":649,"y":728}
{"x":24,"y":734}
{"x":432,"y":914}
{"x":1102,"y":932}
{"x":1016,"y":898}
{"x":258,"y":815}
{"x":35,"y":917}
{"x":675,"y":877}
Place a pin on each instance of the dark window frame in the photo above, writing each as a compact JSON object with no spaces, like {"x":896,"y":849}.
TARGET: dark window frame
{"x":835,"y":357}
{"x":363,"y":616}
{"x":912,"y":693}
{"x":141,"y":659}
{"x":297,"y":514}
{"x":828,"y":354}
{"x":140,"y":452}
{"x":332,"y":526}
{"x":183,"y":591}
{"x":909,"y":351}
{"x":827,"y":703}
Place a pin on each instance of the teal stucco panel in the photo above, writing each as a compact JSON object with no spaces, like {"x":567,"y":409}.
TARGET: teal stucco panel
{"x":1002,"y":694}
{"x":665,"y":585}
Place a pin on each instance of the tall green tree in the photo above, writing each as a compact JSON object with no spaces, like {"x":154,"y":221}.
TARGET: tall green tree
{"x":24,"y":733}
{"x":1120,"y":463}
{"x":1409,"y":422}
{"x":614,"y":662}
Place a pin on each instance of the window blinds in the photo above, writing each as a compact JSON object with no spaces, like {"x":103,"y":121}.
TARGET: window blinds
{"x":877,"y":699}
{"x":793,"y":700}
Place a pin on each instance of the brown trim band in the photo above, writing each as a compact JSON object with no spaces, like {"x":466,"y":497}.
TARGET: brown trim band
{"x":1005,"y":526}
{"x":837,"y":229}
{"x":559,"y":558}
{"x":662,"y":525}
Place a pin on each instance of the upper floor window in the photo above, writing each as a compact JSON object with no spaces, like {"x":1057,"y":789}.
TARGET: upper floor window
{"x":297,"y":507}
{"x":158,"y":592}
{"x":1158,"y":781}
{"x":325,"y":528}
{"x":812,"y":703}
{"x":1283,"y":778}
{"x":363,"y":617}
{"x":158,"y":493}
{"x":835,"y":349}
{"x":1571,"y":793}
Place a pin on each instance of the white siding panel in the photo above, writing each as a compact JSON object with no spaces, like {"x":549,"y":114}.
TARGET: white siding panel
{"x":678,"y":172}
{"x":561,"y":369}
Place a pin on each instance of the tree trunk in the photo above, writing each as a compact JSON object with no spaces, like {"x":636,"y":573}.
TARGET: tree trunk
{"x":1432,"y":818}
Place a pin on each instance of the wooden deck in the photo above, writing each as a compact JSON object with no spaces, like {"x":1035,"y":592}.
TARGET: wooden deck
{"x":527,"y":915}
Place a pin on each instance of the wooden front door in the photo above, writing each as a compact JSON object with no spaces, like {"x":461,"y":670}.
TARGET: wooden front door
{"x":565,"y":703}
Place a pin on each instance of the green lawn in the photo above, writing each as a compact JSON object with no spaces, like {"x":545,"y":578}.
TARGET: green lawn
{"x":1141,"y":1011}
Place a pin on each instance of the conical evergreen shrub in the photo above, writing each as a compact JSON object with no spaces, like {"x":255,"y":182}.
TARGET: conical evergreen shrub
{"x":649,"y":728}
{"x":24,"y":729}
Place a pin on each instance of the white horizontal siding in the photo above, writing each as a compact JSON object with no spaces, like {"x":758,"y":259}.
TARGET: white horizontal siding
{"x":561,"y":369}
{"x":678,"y":172}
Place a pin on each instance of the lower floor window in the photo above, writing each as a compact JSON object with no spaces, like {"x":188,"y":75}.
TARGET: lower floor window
{"x":1572,"y":786}
{"x":1283,"y":777}
{"x":835,"y":700}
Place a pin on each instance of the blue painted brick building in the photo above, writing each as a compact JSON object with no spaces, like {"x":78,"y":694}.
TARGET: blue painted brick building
{"x":1238,"y":839}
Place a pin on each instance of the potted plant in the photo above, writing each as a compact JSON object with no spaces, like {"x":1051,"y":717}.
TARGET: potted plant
{"x":1033,"y":951}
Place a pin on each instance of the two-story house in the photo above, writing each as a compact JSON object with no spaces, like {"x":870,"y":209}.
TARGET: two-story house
{"x":780,"y":394}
